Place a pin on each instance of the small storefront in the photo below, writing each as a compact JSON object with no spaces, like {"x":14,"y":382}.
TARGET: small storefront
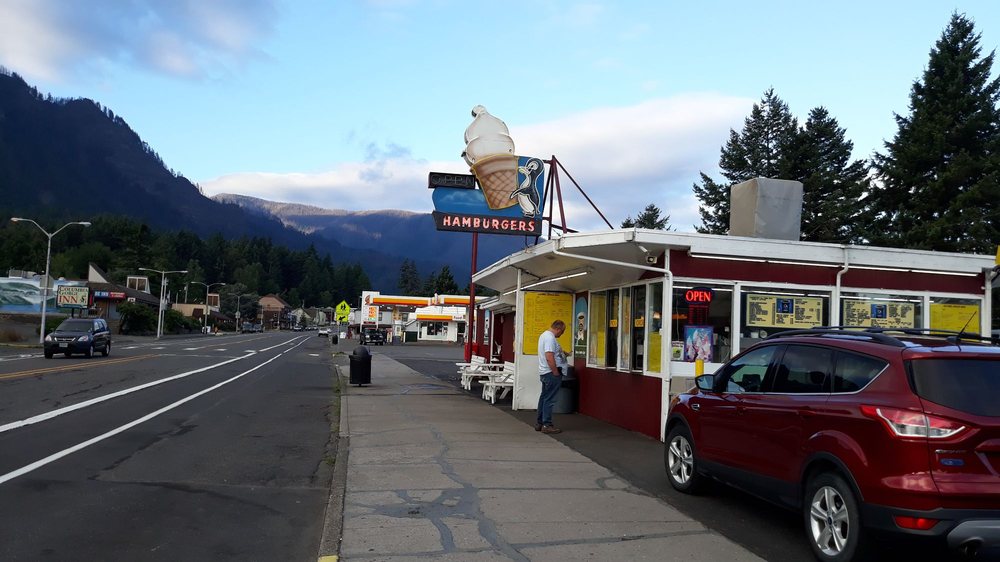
{"x":642,"y":306}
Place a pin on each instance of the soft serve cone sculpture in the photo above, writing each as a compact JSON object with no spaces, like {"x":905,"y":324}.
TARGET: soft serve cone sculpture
{"x":489,"y":151}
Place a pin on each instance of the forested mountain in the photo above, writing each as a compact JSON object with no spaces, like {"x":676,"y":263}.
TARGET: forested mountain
{"x":389,"y":232}
{"x":72,"y":159}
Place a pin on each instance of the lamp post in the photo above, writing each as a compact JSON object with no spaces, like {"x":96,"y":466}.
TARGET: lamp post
{"x":163,"y":288}
{"x":48,"y":257}
{"x":208,"y":286}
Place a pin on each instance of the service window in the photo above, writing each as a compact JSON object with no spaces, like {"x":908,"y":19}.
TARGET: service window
{"x":624,"y":361}
{"x":770,"y":311}
{"x":955,"y":315}
{"x":598,"y":329}
{"x":654,"y":319}
{"x":873,"y":310}
{"x":638,"y":327}
{"x":702,"y":319}
{"x":611,"y":341}
{"x":803,"y":370}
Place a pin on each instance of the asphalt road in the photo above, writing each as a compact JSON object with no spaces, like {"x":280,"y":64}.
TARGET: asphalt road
{"x":203,"y":448}
{"x":770,"y":532}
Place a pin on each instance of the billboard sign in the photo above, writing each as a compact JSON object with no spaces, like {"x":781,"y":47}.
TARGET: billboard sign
{"x":511,"y":194}
{"x":69,"y":296}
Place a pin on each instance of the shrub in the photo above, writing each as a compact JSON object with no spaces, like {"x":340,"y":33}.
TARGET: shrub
{"x":136,"y":318}
{"x":10,"y":336}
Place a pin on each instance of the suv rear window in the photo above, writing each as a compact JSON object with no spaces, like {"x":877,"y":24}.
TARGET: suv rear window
{"x":969,"y":385}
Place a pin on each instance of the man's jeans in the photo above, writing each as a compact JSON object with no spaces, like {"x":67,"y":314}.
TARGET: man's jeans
{"x":550,"y":386}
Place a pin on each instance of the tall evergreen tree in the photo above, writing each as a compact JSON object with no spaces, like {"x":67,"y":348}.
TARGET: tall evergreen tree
{"x":832,"y":184}
{"x":938,"y":182}
{"x":409,"y":278}
{"x":445,"y":283}
{"x":761,"y":149}
{"x":649,"y":218}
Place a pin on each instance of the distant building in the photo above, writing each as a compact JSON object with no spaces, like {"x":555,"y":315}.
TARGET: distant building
{"x":275,"y":313}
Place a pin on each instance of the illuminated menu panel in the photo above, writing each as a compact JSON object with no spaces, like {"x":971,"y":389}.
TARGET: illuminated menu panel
{"x":779,"y":311}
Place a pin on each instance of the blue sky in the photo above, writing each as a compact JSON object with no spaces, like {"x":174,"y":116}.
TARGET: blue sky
{"x":348,"y":104}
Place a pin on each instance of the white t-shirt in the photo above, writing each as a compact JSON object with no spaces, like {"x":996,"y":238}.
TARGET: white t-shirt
{"x":547,"y":342}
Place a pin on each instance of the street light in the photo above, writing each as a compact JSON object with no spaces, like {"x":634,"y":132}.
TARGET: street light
{"x":208,"y":286}
{"x":163,"y":288}
{"x":48,"y":256}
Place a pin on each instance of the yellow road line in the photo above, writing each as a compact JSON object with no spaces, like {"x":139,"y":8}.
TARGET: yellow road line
{"x":332,"y":558}
{"x":74,"y":366}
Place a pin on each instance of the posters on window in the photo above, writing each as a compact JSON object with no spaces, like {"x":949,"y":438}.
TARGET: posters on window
{"x":698,"y":343}
{"x":579,"y":328}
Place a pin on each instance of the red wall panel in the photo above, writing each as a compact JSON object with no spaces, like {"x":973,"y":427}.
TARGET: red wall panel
{"x":627,"y":400}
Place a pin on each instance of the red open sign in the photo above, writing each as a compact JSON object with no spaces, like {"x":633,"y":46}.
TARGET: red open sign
{"x":699,"y":295}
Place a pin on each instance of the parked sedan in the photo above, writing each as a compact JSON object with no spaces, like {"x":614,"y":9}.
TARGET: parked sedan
{"x":79,"y":335}
{"x":323,"y":332}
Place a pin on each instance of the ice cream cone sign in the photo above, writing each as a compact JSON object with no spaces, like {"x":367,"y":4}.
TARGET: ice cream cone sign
{"x":511,"y":190}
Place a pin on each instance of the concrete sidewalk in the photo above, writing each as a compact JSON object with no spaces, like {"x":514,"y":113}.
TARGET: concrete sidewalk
{"x":432,"y":472}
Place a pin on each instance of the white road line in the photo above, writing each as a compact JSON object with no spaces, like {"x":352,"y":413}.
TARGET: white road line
{"x":222,"y":349}
{"x":191,"y":349}
{"x":56,"y":456}
{"x":130,"y":347}
{"x":281,"y":344}
{"x":99,"y":399}
{"x":314,"y":355}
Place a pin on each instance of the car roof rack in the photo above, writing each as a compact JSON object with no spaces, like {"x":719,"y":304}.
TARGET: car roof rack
{"x":884,"y":335}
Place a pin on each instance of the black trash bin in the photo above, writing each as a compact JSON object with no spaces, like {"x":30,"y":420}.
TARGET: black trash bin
{"x":568,"y":395}
{"x":334,"y":338}
{"x":361,"y":366}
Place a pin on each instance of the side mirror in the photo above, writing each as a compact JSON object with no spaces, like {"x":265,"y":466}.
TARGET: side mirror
{"x":705,"y":382}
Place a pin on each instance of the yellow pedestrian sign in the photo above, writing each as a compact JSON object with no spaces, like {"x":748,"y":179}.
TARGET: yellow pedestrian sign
{"x":342,"y":312}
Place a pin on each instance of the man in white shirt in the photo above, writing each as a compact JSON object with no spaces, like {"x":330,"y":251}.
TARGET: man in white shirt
{"x":550,"y":358}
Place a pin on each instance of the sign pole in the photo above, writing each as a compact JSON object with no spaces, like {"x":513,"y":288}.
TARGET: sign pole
{"x":470,"y":321}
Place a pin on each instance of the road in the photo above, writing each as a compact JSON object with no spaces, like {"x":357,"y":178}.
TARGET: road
{"x":205,"y":448}
{"x":768,"y":531}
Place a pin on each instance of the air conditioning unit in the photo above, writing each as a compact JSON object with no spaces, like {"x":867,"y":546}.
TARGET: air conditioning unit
{"x":130,"y":299}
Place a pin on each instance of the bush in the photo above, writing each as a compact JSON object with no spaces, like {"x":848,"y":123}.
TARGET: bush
{"x":136,"y":318}
{"x":174,"y":322}
{"x":10,"y":336}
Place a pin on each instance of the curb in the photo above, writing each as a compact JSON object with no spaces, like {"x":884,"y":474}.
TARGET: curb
{"x":333,"y":526}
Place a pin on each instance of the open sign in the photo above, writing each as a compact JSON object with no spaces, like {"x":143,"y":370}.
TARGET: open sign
{"x":699,"y":295}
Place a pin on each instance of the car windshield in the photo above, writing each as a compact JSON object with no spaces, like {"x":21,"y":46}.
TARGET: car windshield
{"x":969,"y":385}
{"x":76,"y":325}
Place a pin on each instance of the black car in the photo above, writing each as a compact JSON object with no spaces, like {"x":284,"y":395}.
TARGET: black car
{"x":79,"y":335}
{"x":373,"y":337}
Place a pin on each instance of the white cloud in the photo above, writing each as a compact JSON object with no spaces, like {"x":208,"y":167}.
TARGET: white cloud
{"x":51,"y":39}
{"x":623,"y":157}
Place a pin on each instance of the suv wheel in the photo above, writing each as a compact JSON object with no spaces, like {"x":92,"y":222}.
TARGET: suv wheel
{"x":678,"y":459}
{"x":833,"y":519}
{"x":90,"y":352}
{"x":106,"y":350}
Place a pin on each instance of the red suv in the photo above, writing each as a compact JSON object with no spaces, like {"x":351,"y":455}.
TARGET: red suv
{"x":863,"y":431}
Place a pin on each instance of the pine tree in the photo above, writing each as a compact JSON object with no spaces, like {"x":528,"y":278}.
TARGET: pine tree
{"x":409,"y":278}
{"x":445,"y":283}
{"x":832,"y":184}
{"x":761,"y":149}
{"x":648,"y":218}
{"x":939,"y":180}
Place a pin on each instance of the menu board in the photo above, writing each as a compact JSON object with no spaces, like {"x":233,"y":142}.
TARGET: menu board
{"x":779,"y":311}
{"x":879,"y":314}
{"x":540,"y":311}
{"x":955,"y":317}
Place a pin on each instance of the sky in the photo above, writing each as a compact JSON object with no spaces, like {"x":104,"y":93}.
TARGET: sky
{"x":348,"y":104}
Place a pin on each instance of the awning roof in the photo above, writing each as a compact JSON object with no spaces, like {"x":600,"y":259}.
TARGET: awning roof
{"x":588,"y":257}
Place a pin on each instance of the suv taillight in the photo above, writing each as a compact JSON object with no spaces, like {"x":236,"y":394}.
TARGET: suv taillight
{"x":909,"y":423}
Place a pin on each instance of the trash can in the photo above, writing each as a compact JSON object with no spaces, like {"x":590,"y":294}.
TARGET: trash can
{"x":334,"y":338}
{"x":361,"y":366}
{"x":569,"y":390}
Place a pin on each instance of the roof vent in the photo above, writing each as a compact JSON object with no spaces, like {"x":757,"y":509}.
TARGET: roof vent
{"x":766,"y":208}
